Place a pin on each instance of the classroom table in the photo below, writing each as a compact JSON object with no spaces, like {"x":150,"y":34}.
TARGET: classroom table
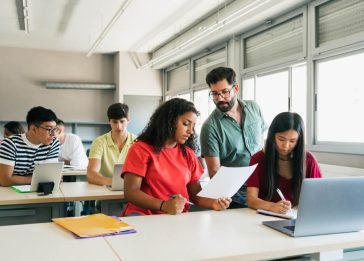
{"x":110,"y":201}
{"x":24,"y":208}
{"x":47,"y":241}
{"x":236,"y":234}
{"x":71,"y":175}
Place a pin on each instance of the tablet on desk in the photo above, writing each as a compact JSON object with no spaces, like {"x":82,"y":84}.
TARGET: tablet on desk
{"x":45,"y":172}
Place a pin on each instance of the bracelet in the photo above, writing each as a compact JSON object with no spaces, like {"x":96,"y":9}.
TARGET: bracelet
{"x":160,"y":208}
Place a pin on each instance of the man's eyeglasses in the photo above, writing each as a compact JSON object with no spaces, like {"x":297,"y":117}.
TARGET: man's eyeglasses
{"x":50,"y":131}
{"x":224,"y":93}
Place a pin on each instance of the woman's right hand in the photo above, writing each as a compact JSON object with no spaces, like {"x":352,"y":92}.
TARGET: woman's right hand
{"x":174,"y":206}
{"x":281,"y":207}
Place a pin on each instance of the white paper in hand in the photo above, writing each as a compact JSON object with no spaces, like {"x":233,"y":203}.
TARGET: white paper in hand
{"x":226,"y":182}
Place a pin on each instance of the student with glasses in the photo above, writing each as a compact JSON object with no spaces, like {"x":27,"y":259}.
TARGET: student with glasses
{"x":234,"y":130}
{"x":20,"y":152}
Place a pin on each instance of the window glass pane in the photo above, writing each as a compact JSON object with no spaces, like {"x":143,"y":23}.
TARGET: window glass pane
{"x":186,"y":96}
{"x":299,"y":91}
{"x":340,"y":99}
{"x":202,"y":66}
{"x":204,"y":105}
{"x":272,"y":94}
{"x":248,"y":89}
{"x":178,"y":78}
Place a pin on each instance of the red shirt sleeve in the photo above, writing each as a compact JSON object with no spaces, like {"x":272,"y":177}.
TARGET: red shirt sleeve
{"x":312,"y":167}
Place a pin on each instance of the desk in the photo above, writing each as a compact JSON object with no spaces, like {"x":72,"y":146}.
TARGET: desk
{"x":25,"y":208}
{"x":75,"y":175}
{"x":47,"y":241}
{"x":229,"y":235}
{"x":111,"y":201}
{"x":22,"y":208}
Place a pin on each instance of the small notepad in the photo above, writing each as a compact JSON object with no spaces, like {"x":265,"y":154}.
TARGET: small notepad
{"x":289,"y":215}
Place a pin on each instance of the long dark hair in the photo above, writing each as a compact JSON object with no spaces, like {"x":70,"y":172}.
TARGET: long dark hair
{"x":163,"y":123}
{"x":283,"y":122}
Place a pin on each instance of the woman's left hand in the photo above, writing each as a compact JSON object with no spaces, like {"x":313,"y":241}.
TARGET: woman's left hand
{"x":221,"y":204}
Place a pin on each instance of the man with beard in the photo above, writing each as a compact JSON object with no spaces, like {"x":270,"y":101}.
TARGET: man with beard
{"x":234,"y":130}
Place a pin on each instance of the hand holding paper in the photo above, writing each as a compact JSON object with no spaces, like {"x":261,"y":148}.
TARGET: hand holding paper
{"x":226,"y":182}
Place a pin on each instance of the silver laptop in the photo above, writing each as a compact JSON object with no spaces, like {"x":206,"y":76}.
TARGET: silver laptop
{"x":327,"y":206}
{"x":44,"y":172}
{"x":117,"y":181}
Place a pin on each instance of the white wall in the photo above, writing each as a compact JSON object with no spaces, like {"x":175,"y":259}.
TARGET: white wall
{"x":133,"y":81}
{"x":23,"y":73}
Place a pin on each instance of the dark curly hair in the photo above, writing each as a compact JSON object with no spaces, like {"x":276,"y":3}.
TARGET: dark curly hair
{"x":162,"y":125}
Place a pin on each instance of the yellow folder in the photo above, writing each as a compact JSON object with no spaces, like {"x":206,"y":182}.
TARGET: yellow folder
{"x":92,"y":225}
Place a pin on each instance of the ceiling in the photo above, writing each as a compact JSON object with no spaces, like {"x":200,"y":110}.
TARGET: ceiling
{"x":75,"y":25}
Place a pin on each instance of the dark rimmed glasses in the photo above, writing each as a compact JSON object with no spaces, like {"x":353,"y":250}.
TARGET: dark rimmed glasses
{"x":224,"y":93}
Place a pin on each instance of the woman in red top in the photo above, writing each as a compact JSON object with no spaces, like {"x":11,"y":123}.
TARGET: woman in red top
{"x":283,"y":164}
{"x":161,"y":171}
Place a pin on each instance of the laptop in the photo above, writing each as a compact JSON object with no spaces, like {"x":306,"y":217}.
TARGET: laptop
{"x":44,"y":172}
{"x":327,"y":206}
{"x":117,"y":181}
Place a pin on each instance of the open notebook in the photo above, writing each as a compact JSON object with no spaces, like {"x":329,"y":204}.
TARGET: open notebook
{"x":292,"y":214}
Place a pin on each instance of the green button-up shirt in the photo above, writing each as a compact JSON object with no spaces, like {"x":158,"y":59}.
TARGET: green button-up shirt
{"x":221,"y":136}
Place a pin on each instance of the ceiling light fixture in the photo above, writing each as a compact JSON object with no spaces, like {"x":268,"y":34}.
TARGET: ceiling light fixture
{"x":113,"y":20}
{"x":83,"y":86}
{"x":207,"y":31}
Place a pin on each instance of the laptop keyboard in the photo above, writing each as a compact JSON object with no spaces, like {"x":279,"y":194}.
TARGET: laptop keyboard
{"x":290,"y":228}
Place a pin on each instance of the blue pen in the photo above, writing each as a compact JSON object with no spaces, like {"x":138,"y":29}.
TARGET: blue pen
{"x":175,"y":196}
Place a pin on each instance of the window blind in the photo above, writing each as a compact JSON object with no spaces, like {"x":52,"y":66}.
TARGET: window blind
{"x":280,"y":41}
{"x":339,"y":19}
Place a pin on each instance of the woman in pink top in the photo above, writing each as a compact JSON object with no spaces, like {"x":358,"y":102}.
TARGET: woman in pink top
{"x":161,"y":170}
{"x":283,"y":164}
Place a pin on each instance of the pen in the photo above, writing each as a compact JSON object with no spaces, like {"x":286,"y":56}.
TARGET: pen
{"x":280,"y":194}
{"x":282,"y":197}
{"x":175,"y":196}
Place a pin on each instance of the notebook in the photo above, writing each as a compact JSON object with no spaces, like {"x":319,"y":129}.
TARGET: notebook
{"x":44,"y":172}
{"x":326,"y":206}
{"x":292,"y":214}
{"x":117,"y":181}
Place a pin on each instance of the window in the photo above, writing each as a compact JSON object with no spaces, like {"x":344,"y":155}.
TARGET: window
{"x":340,"y":19}
{"x":278,"y":91}
{"x":248,"y":89}
{"x":178,"y":78}
{"x":203,"y":65}
{"x":204,"y":105}
{"x":340,"y":99}
{"x":272,"y":94}
{"x":282,"y":41}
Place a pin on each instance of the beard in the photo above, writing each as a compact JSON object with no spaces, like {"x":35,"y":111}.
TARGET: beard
{"x":226,"y":106}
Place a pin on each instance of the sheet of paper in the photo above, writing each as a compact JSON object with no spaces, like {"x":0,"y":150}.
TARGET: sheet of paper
{"x":226,"y":182}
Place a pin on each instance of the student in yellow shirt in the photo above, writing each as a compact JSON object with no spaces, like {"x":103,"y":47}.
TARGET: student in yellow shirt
{"x":110,"y":148}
